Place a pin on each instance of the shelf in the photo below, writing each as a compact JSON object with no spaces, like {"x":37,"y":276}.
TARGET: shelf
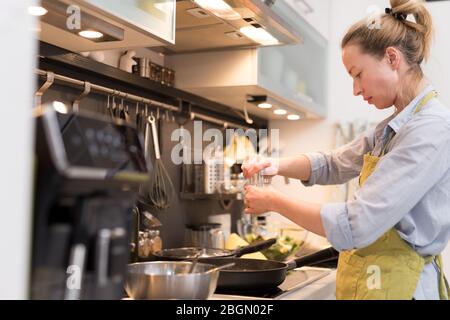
{"x":214,"y":196}
{"x":73,"y":65}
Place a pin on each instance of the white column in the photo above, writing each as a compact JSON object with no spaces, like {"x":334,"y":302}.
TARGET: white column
{"x":16,"y":144}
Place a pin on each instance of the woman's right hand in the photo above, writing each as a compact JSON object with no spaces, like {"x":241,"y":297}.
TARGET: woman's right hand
{"x":256,"y":163}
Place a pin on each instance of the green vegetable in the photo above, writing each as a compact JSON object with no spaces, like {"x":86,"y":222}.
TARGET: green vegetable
{"x":282,"y":249}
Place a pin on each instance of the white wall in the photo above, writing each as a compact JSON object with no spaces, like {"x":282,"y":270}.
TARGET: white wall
{"x":16,"y":83}
{"x":438,"y":70}
{"x":438,"y":66}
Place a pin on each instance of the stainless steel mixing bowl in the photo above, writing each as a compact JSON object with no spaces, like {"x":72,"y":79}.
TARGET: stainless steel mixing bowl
{"x":170,"y":280}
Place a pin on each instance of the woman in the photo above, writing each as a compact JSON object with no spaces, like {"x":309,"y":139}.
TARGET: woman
{"x":391,"y":234}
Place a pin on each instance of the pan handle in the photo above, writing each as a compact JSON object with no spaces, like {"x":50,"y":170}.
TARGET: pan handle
{"x":321,"y":256}
{"x":257,"y":246}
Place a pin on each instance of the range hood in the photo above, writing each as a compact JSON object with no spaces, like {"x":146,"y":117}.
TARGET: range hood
{"x":201,"y":27}
{"x":245,"y":78}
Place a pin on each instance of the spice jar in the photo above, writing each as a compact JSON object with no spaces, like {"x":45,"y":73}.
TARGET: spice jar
{"x":155,"y":241}
{"x":142,"y":67}
{"x":164,"y":77}
{"x":171,"y":78}
{"x":142,"y":245}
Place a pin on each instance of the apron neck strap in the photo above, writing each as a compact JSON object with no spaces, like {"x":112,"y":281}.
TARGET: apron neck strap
{"x":422,"y":102}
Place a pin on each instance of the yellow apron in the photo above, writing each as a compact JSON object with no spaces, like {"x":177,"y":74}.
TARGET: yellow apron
{"x":388,"y":268}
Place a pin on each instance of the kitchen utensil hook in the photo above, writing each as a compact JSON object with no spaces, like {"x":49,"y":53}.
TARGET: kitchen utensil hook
{"x":108,"y":106}
{"x":113,"y":106}
{"x":184,"y":112}
{"x":86,"y":91}
{"x":50,"y":79}
{"x":247,"y":118}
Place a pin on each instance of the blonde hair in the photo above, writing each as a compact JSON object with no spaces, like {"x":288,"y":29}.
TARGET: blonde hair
{"x":413,"y":39}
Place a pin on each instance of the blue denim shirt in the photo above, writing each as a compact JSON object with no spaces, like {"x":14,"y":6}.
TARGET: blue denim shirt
{"x":409,"y":189}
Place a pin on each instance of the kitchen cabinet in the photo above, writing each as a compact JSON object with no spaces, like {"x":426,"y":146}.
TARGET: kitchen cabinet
{"x":315,"y":12}
{"x":293,"y":77}
{"x":124,"y":24}
{"x":299,"y":72}
{"x":156,"y":17}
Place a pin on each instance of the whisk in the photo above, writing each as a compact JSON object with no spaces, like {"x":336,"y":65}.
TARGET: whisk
{"x":161,"y":188}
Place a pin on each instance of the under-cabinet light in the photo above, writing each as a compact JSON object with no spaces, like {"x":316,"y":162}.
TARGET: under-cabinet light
{"x":37,"y":11}
{"x":60,"y":107}
{"x":219,"y":8}
{"x":90,"y":34}
{"x":259,"y":35}
{"x":264,"y":105}
{"x":293,"y":117}
{"x":279,"y":112}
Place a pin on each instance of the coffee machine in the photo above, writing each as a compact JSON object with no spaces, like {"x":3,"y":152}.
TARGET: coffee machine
{"x":87,"y":171}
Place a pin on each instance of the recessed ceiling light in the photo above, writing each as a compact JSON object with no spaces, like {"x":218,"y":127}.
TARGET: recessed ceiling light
{"x":293,"y":117}
{"x":90,"y":34}
{"x":279,"y":112}
{"x":264,"y":105}
{"x":37,"y":11}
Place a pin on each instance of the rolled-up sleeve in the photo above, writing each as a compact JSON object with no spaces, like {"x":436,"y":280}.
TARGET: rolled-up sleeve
{"x":340,"y":165}
{"x":336,"y":225}
{"x":418,"y":160}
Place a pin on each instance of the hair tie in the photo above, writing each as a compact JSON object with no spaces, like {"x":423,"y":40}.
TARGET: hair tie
{"x":397,"y":15}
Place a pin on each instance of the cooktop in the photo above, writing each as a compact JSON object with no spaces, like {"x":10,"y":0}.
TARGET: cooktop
{"x":295,"y":280}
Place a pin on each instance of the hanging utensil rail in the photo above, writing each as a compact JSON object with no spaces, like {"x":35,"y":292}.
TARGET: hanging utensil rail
{"x":102,"y":89}
{"x":128,"y":96}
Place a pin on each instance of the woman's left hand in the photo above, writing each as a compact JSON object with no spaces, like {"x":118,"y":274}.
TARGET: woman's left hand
{"x":259,"y":200}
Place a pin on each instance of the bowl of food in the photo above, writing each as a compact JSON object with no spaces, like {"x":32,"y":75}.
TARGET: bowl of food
{"x":289,"y":241}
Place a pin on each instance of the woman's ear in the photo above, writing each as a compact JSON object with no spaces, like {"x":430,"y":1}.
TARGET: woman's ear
{"x":393,"y":57}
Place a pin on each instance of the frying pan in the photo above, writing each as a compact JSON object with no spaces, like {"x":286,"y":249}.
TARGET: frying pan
{"x":189,"y":253}
{"x":255,"y":274}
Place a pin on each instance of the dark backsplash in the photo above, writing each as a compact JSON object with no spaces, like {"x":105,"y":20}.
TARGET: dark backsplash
{"x":180,"y":212}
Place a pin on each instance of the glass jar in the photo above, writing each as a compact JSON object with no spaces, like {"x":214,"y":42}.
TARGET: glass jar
{"x":155,"y":241}
{"x":163,"y":76}
{"x":142,"y":245}
{"x":149,"y":242}
{"x":170,"y":78}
